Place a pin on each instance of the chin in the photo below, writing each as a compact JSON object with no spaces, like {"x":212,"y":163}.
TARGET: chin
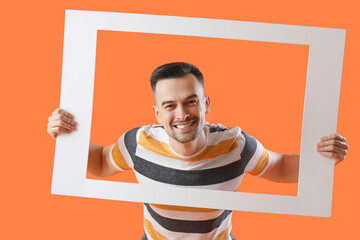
{"x":186,"y":139}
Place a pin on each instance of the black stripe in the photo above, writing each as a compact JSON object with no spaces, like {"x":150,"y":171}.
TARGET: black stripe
{"x":197,"y":177}
{"x":249,"y":148}
{"x":130,"y":142}
{"x":217,"y":128}
{"x":184,"y":226}
{"x":189,"y":178}
{"x":193,"y":177}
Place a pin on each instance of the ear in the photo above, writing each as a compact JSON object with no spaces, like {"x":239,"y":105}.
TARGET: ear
{"x":156,"y":113}
{"x":207,"y":104}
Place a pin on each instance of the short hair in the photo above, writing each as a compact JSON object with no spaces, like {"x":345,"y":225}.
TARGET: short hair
{"x":174,"y":70}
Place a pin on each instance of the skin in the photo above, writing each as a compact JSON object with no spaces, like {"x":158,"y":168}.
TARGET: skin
{"x":181,"y":101}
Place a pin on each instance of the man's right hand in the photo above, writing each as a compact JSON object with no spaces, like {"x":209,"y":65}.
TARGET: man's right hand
{"x":99,"y":161}
{"x":60,"y":122}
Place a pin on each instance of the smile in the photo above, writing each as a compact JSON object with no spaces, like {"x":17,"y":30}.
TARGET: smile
{"x":184,"y":125}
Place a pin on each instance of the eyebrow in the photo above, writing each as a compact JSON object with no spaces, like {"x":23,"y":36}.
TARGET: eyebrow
{"x":171,"y":101}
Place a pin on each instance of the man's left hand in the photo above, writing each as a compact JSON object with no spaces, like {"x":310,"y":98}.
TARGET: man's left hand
{"x":333,"y":146}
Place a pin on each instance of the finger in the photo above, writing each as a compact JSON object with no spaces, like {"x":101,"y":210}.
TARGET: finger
{"x":60,"y":111}
{"x":53,"y":132}
{"x":61,"y":117}
{"x":56,"y":130}
{"x":334,"y":149}
{"x":69,"y":115}
{"x":55,"y":117}
{"x":334,"y":136}
{"x":67,"y":120}
{"x":61,"y":124}
{"x":57,"y":111}
{"x":337,"y":143}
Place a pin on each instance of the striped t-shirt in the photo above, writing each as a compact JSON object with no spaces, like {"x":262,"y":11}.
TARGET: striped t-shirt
{"x":220,"y":165}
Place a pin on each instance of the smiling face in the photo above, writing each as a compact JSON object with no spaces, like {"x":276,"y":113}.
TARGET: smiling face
{"x":181,"y":107}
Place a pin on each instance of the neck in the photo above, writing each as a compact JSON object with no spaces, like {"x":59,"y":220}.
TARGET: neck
{"x":189,"y":148}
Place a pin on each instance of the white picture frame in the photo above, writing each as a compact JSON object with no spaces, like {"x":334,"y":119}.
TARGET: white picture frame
{"x":326,"y":53}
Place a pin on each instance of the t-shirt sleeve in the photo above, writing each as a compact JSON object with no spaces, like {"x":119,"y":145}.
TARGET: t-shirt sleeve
{"x":123,"y":151}
{"x":259,"y":157}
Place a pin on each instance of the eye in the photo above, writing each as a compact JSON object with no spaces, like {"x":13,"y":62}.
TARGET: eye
{"x":192,"y":102}
{"x":169,"y":107}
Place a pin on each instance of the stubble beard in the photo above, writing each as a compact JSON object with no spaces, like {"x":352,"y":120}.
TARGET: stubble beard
{"x":187,"y":139}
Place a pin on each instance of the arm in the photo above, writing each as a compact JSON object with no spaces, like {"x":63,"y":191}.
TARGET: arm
{"x":99,"y":163}
{"x":285,"y":167}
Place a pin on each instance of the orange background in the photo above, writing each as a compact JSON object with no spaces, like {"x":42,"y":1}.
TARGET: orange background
{"x":31,"y":60}
{"x":257,"y":85}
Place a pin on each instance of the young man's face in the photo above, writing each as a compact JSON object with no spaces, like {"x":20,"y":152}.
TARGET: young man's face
{"x":181,"y":107}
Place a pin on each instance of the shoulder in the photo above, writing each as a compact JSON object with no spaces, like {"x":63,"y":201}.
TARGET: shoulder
{"x":133,"y":137}
{"x":219,"y":130}
{"x":218,"y":133}
{"x":151,"y":131}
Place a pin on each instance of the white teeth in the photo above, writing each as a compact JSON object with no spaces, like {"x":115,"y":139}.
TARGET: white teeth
{"x":183,"y":126}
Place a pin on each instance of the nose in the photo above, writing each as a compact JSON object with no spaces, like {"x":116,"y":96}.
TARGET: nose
{"x":181,"y":113}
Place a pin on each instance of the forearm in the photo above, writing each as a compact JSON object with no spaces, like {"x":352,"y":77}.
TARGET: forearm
{"x":99,"y":163}
{"x":95,"y":160}
{"x":290,"y":168}
{"x":283,"y":168}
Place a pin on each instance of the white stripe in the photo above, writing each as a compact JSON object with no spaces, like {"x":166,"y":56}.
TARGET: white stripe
{"x":157,"y":133}
{"x":148,"y":235}
{"x":213,"y":138}
{"x":241,"y":142}
{"x":184,"y":215}
{"x":216,"y":137}
{"x":225,"y":224}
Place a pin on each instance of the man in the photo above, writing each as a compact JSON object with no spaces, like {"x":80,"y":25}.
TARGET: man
{"x":187,"y":151}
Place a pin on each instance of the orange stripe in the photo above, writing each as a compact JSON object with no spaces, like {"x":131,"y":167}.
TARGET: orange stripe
{"x":183,"y":209}
{"x":118,"y":158}
{"x":152,"y":232}
{"x":224,"y":235}
{"x":261,"y":164}
{"x":211,"y":151}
